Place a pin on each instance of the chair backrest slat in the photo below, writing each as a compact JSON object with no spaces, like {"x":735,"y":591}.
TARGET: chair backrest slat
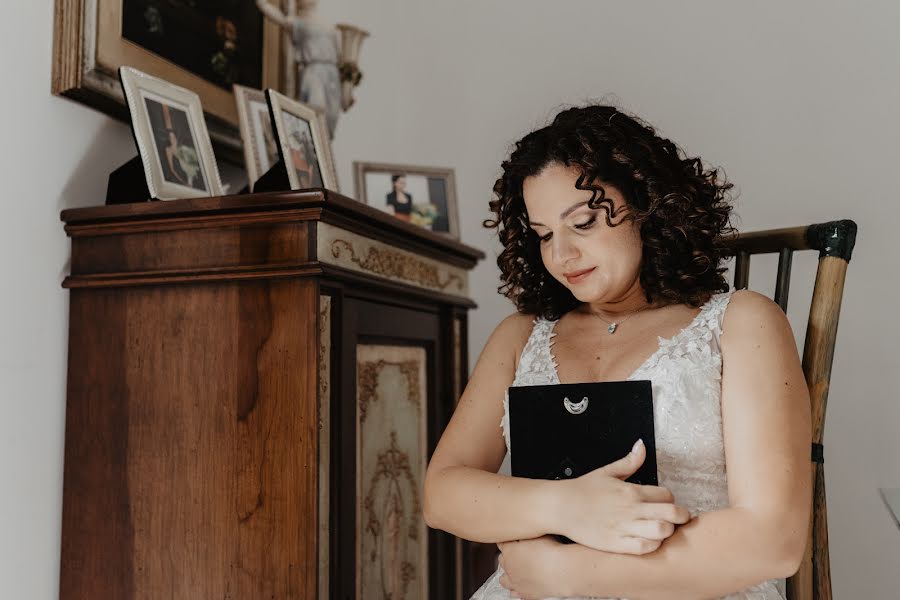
{"x":835,"y":241}
{"x":783,"y":283}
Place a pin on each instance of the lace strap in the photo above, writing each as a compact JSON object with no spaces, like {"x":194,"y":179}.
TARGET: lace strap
{"x":716,"y":310}
{"x":536,"y":357}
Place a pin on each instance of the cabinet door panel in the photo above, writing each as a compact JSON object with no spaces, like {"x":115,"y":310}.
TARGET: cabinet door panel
{"x":394,"y":389}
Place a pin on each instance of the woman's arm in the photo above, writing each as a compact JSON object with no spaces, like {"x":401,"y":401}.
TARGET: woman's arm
{"x":766,"y":428}
{"x":274,"y":13}
{"x":464,"y":495}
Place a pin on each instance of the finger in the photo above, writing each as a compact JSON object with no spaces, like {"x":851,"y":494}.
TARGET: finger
{"x":654,"y":493}
{"x":625,"y":467}
{"x":638,"y":545}
{"x":672,"y":513}
{"x":649,"y":529}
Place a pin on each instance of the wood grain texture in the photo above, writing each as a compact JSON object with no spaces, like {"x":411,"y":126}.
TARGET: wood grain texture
{"x":188,"y":474}
{"x":328,"y":206}
{"x":68,"y":28}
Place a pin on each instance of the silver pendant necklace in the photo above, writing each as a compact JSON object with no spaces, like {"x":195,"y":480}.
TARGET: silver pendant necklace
{"x":613,"y":325}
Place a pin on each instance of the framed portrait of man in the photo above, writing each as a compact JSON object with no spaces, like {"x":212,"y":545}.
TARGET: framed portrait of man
{"x":205,"y":46}
{"x":423,"y":196}
{"x":171,"y":137}
{"x":303,"y":143}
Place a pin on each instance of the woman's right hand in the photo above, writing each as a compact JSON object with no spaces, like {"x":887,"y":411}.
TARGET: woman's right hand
{"x":604,"y":512}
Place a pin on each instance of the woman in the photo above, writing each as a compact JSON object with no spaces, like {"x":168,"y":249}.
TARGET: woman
{"x":399,"y":199}
{"x":612,"y":252}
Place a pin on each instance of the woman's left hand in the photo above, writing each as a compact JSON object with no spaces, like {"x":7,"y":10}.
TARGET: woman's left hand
{"x":532,"y":568}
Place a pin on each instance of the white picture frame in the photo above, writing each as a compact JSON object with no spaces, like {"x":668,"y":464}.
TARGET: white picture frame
{"x":257,"y":132}
{"x":303,"y":144}
{"x":171,"y":137}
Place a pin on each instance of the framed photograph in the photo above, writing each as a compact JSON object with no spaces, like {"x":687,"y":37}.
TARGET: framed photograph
{"x":171,"y":136}
{"x":203,"y":45}
{"x":424,"y":196}
{"x":260,"y":145}
{"x":303,"y":143}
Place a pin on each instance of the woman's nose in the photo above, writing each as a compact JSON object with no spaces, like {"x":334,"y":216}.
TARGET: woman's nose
{"x":563,"y":249}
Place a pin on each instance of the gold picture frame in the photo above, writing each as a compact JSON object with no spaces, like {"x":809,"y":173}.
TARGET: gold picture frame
{"x":89,"y":48}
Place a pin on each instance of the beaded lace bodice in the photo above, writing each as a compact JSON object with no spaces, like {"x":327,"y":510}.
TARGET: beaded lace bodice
{"x":685,"y":374}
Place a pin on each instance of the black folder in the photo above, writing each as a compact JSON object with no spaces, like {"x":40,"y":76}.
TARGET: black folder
{"x":563,"y":431}
{"x":566,"y":430}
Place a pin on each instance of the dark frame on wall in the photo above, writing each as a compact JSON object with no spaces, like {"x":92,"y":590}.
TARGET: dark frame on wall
{"x":89,"y":47}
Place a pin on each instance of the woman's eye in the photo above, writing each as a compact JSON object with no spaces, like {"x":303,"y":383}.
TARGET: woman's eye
{"x":587,"y":224}
{"x":545,"y":238}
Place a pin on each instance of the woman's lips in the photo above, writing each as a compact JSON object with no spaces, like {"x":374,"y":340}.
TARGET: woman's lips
{"x":579,"y":276}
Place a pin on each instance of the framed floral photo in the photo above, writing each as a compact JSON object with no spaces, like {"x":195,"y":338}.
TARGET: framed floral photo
{"x":303,"y":145}
{"x":171,"y":137}
{"x":202,"y":45}
{"x":257,"y":134}
{"x":423,"y":196}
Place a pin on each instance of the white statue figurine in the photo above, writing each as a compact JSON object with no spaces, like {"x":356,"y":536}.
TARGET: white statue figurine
{"x":318,"y":54}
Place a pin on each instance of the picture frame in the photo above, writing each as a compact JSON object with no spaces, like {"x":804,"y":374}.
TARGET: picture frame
{"x":171,"y":137}
{"x":303,"y":144}
{"x":90,"y":43}
{"x":377,"y":185}
{"x":257,"y":134}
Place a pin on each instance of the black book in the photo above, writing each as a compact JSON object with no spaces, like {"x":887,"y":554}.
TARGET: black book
{"x":563,"y":431}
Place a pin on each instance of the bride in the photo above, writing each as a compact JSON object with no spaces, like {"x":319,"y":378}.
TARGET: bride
{"x":612,"y":251}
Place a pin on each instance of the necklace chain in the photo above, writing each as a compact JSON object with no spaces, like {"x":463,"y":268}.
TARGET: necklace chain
{"x":613,"y":325}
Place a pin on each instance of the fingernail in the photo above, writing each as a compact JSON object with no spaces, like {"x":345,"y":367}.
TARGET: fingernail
{"x":637,"y":445}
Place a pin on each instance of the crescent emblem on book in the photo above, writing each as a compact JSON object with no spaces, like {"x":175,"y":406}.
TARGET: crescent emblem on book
{"x":576,"y":409}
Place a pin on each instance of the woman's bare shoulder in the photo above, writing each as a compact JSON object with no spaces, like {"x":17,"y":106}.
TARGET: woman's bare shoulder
{"x":513,"y":332}
{"x":754,"y":323}
{"x":746,"y":307}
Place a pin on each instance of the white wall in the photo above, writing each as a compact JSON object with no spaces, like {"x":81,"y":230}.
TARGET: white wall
{"x":795,"y":100}
{"x":55,"y":155}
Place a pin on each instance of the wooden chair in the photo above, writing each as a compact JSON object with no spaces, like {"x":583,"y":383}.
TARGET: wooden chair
{"x":834,"y":241}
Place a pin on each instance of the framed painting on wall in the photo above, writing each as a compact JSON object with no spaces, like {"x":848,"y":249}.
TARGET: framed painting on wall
{"x":205,"y":46}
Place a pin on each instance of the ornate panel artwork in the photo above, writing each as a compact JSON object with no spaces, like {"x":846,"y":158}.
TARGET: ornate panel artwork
{"x":351,"y":251}
{"x":392,"y":541}
{"x":324,"y":438}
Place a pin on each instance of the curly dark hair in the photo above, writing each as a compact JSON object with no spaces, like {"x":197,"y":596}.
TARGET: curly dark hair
{"x":683,"y":210}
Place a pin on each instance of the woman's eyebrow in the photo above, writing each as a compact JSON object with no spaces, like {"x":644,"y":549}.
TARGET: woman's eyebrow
{"x":563,"y":214}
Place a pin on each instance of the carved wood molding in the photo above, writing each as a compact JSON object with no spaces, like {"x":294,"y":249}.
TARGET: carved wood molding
{"x":352,"y":251}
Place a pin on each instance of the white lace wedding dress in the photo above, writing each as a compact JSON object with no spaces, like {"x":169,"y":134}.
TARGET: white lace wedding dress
{"x":685,"y":372}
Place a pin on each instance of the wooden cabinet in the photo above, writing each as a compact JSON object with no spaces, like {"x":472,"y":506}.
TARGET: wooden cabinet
{"x":255,"y":384}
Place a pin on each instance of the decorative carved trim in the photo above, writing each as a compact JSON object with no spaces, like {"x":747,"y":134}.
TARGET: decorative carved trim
{"x":352,"y":251}
{"x":393,"y":471}
{"x":368,"y":382}
{"x":324,"y":411}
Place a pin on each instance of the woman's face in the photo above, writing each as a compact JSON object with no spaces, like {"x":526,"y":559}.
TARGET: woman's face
{"x":400,"y":184}
{"x":598,"y":263}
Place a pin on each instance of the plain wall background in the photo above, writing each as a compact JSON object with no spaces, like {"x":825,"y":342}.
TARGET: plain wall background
{"x":796,"y":101}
